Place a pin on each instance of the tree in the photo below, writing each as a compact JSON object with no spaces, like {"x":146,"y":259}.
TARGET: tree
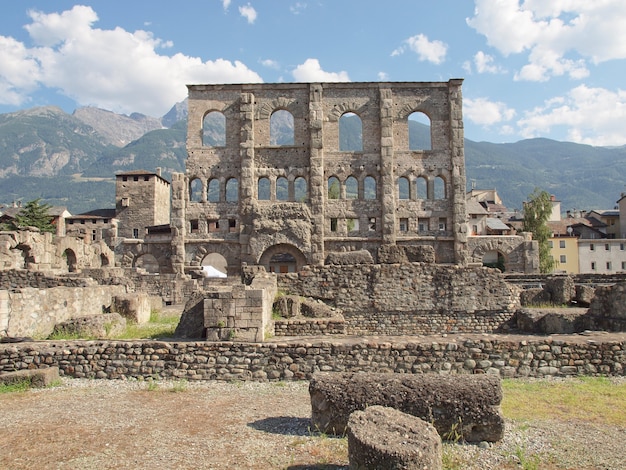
{"x":34,"y":214}
{"x":537,"y":211}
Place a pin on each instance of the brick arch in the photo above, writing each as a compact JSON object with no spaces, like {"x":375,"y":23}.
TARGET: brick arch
{"x":162,"y":253}
{"x":212,"y":106}
{"x":411,"y":107}
{"x":281,"y":248}
{"x":340,"y":109}
{"x":267,"y":108}
{"x":503,"y":247}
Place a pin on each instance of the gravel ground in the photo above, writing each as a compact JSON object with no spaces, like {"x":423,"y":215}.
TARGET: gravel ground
{"x":92,"y":424}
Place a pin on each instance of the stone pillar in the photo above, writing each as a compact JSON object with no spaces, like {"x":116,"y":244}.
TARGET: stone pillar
{"x":317,"y":186}
{"x":457,"y":185}
{"x":247,"y":184}
{"x":177,"y":221}
{"x":386,"y":167}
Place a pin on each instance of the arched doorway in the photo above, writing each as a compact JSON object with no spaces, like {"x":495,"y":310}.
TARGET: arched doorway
{"x":70,"y":259}
{"x":147,"y":262}
{"x":494,"y":259}
{"x":214,"y":265}
{"x":283,"y":258}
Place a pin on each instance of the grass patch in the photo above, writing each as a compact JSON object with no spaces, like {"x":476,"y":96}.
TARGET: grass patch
{"x":590,"y":399}
{"x":20,"y":386}
{"x":68,"y":335}
{"x":160,"y":325}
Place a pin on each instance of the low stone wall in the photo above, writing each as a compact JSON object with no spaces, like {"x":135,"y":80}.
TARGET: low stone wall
{"x":34,"y":312}
{"x":310,"y":327}
{"x":410,"y":298}
{"x":509,"y":356}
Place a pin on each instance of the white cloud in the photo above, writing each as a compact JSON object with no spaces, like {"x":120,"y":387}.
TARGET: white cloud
{"x":431,"y":51}
{"x":552,"y":32}
{"x":248,"y":12}
{"x":484,"y":63}
{"x":484,"y":112}
{"x":113,"y":69}
{"x":270,"y":64}
{"x":594,"y":116}
{"x":297,"y":8}
{"x":225,"y":4}
{"x":311,"y":71}
{"x":383,"y":76}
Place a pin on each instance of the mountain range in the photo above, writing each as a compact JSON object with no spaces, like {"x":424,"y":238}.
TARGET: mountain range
{"x":71,"y":159}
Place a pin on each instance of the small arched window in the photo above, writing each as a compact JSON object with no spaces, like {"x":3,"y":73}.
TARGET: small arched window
{"x":213,"y":191}
{"x":232,"y":190}
{"x":419,"y":131}
{"x":350,"y":133}
{"x":300,"y":189}
{"x":334,"y":188}
{"x":214,"y":130}
{"x":403,"y":188}
{"x":263,"y":190}
{"x":422,"y":188}
{"x":369,"y":187}
{"x":281,"y":128}
{"x":195,"y":190}
{"x":352,"y":188}
{"x":282,"y":189}
{"x":440,"y":188}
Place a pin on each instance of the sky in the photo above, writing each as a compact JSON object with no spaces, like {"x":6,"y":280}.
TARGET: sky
{"x":531,"y":68}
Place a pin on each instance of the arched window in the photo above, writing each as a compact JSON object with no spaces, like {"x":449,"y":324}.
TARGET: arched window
{"x":232,"y":190}
{"x":214,"y":130}
{"x":214,"y":265}
{"x":369,"y":187}
{"x":334,"y":188}
{"x":195,"y":190}
{"x":350,"y":133}
{"x":213,"y":191}
{"x":281,"y":128}
{"x":352,"y":188}
{"x":263,"y":190}
{"x":282,"y":189}
{"x":300,"y":189}
{"x":440,"y":188}
{"x":147,"y":262}
{"x":419,"y":131}
{"x":403,"y":188}
{"x":422,"y":188}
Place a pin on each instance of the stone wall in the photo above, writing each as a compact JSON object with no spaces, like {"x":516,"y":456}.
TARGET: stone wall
{"x":511,"y":356}
{"x":411,"y":298}
{"x":33,"y":312}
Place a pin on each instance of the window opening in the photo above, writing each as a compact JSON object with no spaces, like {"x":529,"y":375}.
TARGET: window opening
{"x":300,"y":189}
{"x":369,"y":187}
{"x":263,"y":189}
{"x":403,"y":188}
{"x":440,"y":188}
{"x":281,"y":128}
{"x":334,"y":188}
{"x":419,"y":131}
{"x":232,"y":190}
{"x":213,"y":192}
{"x":195,"y":190}
{"x":282,"y":189}
{"x":350,"y":133}
{"x":352,"y":188}
{"x":214,"y":130}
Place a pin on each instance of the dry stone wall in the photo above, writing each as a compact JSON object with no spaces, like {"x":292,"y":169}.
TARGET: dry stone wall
{"x":511,"y":356}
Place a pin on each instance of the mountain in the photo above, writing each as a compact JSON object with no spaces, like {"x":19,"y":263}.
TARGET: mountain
{"x":117,"y":129}
{"x":71,"y":160}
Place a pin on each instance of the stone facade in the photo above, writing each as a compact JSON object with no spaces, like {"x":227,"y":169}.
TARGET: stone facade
{"x":511,"y":356}
{"x":218,"y":206}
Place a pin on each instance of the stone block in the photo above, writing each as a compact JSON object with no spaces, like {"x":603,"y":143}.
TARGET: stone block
{"x":381,"y":437}
{"x":36,"y":377}
{"x":105,"y":325}
{"x":466,"y":405}
{"x":135,"y":307}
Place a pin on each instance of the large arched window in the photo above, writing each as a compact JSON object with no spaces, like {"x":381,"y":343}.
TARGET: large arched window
{"x":300,"y":189}
{"x":214,"y":130}
{"x":282,"y":189}
{"x":350,"y":133}
{"x":281,"y":128}
{"x":263,"y":190}
{"x":232,"y":190}
{"x":334,"y":188}
{"x":440,"y":188}
{"x":421,"y":188}
{"x":419,"y":131}
{"x":403,"y":188}
{"x":195,"y":190}
{"x":352,"y":188}
{"x":213,"y":191}
{"x":369,"y":187}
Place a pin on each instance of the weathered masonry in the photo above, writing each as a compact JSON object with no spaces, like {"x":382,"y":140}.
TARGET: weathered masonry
{"x":278,"y":185}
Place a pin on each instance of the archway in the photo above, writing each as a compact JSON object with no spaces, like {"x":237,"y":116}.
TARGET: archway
{"x":70,"y":259}
{"x":282,"y":258}
{"x":214,"y":265}
{"x":147,"y":262}
{"x":494,"y":259}
{"x":104,"y":260}
{"x":27,"y":257}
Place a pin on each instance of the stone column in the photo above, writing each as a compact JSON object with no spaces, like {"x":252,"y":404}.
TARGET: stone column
{"x":177,"y":221}
{"x":247,"y":184}
{"x":317,"y":187}
{"x":386,"y":167}
{"x":457,"y":185}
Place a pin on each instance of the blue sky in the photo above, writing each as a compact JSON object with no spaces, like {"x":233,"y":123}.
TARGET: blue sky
{"x":532,"y":68}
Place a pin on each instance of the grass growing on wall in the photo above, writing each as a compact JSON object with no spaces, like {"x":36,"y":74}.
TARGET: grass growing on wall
{"x":160,"y":325}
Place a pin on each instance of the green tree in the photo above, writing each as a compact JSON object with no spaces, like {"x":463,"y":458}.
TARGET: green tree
{"x":34,"y":214}
{"x":537,"y":211}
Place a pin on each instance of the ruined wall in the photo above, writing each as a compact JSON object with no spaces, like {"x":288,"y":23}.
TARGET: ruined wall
{"x":241,"y":226}
{"x":521,"y":254}
{"x":514,"y":356}
{"x":411,"y":298}
{"x":30,"y":311}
